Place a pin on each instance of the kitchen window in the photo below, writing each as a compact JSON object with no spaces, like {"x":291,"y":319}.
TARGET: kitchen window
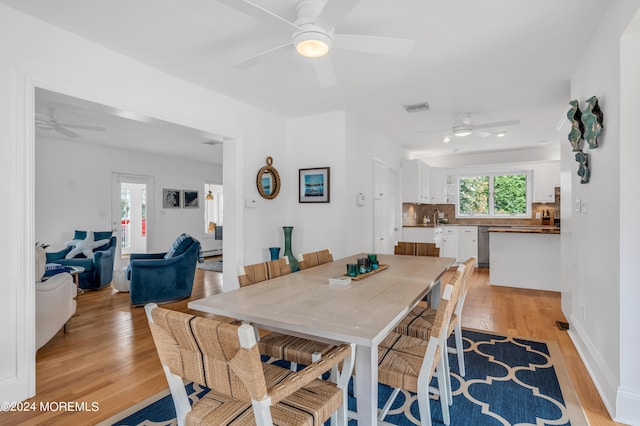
{"x":501,"y":195}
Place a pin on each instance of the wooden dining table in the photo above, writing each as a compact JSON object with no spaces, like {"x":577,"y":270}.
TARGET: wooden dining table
{"x":363,"y":312}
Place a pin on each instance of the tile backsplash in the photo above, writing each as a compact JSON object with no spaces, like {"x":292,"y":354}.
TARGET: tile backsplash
{"x":413,"y":214}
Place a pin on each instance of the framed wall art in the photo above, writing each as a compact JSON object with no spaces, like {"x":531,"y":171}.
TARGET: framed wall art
{"x":170,"y":198}
{"x":190,"y":199}
{"x":314,"y":185}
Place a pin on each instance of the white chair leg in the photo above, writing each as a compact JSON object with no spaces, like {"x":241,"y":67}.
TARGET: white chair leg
{"x":459,"y":349}
{"x":442,"y":380}
{"x":447,"y":374}
{"x":389,"y":403}
{"x":262,"y":412}
{"x":423,"y":404}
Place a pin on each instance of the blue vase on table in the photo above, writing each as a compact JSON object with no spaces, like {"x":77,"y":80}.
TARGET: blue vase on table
{"x":275,"y":253}
{"x":288,"y":230}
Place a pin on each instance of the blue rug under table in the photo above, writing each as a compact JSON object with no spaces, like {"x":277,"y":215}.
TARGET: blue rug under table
{"x":508,"y":381}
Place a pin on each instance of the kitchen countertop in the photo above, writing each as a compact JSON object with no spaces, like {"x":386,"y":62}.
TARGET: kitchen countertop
{"x":527,"y":229}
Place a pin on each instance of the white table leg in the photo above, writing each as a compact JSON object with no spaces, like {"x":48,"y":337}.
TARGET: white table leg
{"x":367,"y":384}
{"x":436,"y":292}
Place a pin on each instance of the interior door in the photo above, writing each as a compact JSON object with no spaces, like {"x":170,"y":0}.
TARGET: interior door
{"x":132,"y":199}
{"x":384,"y":207}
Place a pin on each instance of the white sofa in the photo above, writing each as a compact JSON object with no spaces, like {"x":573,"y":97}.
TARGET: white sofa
{"x":55,"y":305}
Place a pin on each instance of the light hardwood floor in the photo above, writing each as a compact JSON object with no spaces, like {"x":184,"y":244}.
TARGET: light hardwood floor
{"x":108,"y":356}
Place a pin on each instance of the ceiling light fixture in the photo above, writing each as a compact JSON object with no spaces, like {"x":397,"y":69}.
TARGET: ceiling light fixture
{"x":501,"y":134}
{"x":447,"y":139}
{"x":312,"y":44}
{"x":461,"y":132}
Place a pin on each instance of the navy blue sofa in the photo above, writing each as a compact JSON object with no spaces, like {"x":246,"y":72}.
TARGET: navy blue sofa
{"x":164,"y":277}
{"x":98,"y":272}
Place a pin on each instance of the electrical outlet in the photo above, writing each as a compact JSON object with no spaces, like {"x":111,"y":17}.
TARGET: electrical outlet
{"x":537,"y":215}
{"x":583,"y":313}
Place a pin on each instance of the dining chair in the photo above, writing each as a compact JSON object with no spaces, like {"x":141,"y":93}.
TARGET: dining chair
{"x":409,"y":363}
{"x":225,"y":358}
{"x":419,"y":321}
{"x":296,"y":350}
{"x":309,"y":260}
{"x":416,"y":249}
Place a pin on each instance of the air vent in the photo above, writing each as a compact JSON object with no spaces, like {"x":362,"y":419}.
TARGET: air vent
{"x":423,"y":106}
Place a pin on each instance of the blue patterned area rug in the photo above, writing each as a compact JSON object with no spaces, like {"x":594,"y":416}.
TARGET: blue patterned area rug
{"x":509,"y":381}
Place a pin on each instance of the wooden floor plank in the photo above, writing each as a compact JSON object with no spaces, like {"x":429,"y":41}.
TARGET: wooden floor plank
{"x":108,"y":355}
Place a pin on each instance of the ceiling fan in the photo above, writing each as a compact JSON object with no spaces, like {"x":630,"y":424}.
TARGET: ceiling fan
{"x":48,"y":122}
{"x":463,"y":126}
{"x":313,"y":36}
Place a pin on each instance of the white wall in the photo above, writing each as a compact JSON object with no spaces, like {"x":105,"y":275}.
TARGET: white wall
{"x":363,"y":145}
{"x":601,"y":280}
{"x":316,"y":141}
{"x":91,"y":72}
{"x":74,"y":191}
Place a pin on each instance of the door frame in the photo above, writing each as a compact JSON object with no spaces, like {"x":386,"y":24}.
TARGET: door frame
{"x":116,"y":180}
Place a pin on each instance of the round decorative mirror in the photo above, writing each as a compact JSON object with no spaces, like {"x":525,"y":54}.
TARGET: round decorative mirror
{"x":268,"y":181}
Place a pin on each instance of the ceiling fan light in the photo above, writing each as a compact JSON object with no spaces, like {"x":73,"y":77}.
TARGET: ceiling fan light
{"x":461,"y":132}
{"x":312,"y":44}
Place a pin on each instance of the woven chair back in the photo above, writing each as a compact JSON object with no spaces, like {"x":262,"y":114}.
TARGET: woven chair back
{"x":309,"y":260}
{"x":208,"y":352}
{"x":416,"y":249}
{"x":446,"y":307}
{"x":252,"y":274}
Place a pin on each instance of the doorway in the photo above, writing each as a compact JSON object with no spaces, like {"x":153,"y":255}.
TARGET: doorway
{"x":384,"y":207}
{"x":132,"y":198}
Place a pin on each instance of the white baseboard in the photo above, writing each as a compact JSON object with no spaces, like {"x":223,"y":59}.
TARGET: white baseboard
{"x":214,"y":252}
{"x":627,"y":407}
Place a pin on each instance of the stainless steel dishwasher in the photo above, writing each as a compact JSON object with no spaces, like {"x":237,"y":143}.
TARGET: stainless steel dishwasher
{"x":483,"y":246}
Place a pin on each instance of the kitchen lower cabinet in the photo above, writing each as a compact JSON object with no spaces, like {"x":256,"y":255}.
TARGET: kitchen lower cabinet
{"x":459,"y":242}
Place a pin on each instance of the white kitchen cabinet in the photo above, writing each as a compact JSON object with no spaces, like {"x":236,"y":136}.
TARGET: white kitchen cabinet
{"x":467,"y":243}
{"x":438,"y":186}
{"x":545,"y":179}
{"x":459,"y":242}
{"x":415,"y":181}
{"x":449,"y":247}
{"x":421,"y":234}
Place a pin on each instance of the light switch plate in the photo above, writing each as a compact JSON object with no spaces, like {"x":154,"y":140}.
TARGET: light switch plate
{"x":537,"y":215}
{"x":578,"y":203}
{"x":583,"y":206}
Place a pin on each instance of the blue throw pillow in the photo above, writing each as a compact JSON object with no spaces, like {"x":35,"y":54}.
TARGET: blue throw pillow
{"x":179,"y":246}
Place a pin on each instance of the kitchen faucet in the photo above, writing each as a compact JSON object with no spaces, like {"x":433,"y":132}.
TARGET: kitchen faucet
{"x":436,"y":216}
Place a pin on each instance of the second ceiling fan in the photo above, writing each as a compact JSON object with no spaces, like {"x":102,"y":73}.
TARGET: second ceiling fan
{"x":313,"y":35}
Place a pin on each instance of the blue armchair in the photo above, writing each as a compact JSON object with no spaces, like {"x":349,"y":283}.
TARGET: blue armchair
{"x":164,"y":277}
{"x":98,"y":272}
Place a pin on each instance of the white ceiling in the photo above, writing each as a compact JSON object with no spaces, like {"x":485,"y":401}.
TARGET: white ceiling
{"x":496,"y":59}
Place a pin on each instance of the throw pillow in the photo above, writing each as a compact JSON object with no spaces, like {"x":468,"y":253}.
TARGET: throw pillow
{"x":179,"y":246}
{"x":97,"y":235}
{"x":84,"y":246}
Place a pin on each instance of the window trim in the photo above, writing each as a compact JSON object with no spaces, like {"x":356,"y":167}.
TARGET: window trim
{"x":491,"y":215}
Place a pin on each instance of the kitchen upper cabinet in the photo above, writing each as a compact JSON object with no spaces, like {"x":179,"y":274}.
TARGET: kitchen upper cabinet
{"x":415,"y":182}
{"x":545,"y":179}
{"x":438,"y":186}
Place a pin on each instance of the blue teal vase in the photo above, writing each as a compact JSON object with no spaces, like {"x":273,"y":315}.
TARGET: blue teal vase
{"x":288,"y":230}
{"x":275,"y":252}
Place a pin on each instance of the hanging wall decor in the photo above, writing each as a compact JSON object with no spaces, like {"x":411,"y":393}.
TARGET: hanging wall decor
{"x":583,"y":169}
{"x":577,"y":128}
{"x":592,"y":121}
{"x":268,"y":181}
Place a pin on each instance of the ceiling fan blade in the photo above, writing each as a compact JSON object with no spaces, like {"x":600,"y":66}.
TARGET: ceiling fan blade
{"x":83,"y":127}
{"x":252,"y":9}
{"x":333,"y":11}
{"x":252,"y":60}
{"x":481,"y":133}
{"x":374,"y":44}
{"x":324,"y":71}
{"x":66,"y":132}
{"x":496,"y":124}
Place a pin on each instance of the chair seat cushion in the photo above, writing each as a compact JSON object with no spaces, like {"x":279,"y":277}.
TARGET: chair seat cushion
{"x":311,"y":405}
{"x":290,"y":348}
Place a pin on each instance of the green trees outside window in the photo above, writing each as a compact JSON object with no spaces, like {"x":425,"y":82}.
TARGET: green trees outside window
{"x":493,"y":195}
